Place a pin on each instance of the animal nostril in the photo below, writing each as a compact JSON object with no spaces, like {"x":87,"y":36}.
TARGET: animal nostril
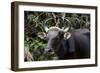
{"x":47,"y":51}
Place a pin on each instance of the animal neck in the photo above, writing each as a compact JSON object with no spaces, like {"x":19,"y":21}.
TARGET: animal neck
{"x":61,"y":51}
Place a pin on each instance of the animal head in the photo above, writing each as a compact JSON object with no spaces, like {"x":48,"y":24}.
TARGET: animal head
{"x":54,"y":35}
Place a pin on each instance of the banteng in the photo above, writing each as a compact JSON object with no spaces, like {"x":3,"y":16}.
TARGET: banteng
{"x":67,"y":45}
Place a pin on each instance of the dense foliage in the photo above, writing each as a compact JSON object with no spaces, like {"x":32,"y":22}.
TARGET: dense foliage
{"x":36,"y":21}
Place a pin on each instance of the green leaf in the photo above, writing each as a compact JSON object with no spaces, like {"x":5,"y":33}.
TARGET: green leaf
{"x":36,"y":46}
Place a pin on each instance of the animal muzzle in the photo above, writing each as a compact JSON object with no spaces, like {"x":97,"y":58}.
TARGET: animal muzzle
{"x":47,"y":51}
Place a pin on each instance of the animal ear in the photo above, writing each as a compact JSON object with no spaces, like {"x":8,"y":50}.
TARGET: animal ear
{"x":41,"y":35}
{"x":67,"y":35}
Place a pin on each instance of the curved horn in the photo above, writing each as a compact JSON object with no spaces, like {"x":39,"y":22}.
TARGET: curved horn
{"x":68,"y":26}
{"x":66,"y":29}
{"x":45,"y":26}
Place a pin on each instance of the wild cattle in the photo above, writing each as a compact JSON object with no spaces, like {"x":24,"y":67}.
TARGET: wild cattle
{"x":67,"y":45}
